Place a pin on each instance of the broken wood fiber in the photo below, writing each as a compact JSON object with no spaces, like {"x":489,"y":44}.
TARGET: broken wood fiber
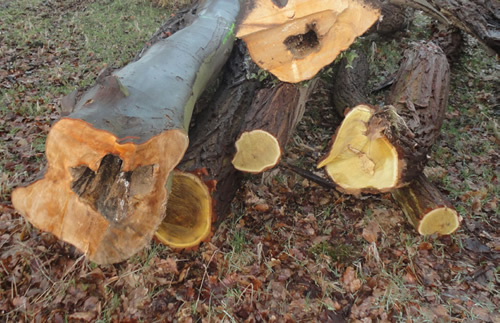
{"x":110,"y":161}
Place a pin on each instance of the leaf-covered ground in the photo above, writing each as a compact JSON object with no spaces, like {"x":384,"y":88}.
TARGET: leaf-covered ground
{"x":291,"y":251}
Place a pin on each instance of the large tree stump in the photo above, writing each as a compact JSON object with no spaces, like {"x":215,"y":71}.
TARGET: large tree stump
{"x":109,"y":162}
{"x":294,"y":39}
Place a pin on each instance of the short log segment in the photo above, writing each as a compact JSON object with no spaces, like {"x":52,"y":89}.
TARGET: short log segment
{"x":106,"y":185}
{"x":379,"y":149}
{"x":294,"y":39}
{"x":426,"y":208}
{"x":269,"y":124}
{"x":350,"y":82}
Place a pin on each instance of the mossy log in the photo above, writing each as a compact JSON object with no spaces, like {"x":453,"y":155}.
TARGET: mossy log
{"x":380,"y":149}
{"x":294,"y":39}
{"x":269,"y":124}
{"x":110,"y":161}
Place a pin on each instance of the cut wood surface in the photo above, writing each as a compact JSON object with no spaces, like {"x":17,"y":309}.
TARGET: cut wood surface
{"x":294,"y":39}
{"x":426,"y":207}
{"x":188,"y":219}
{"x":269,"y":125}
{"x":380,"y":149}
{"x":105,"y":188}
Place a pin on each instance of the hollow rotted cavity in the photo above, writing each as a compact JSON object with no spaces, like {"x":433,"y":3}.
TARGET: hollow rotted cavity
{"x":188,"y":217}
{"x":280,"y":3}
{"x":302,"y":45}
{"x":109,"y":190}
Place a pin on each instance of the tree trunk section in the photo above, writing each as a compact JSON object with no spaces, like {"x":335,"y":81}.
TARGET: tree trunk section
{"x":269,"y":124}
{"x":110,"y":160}
{"x":379,"y":149}
{"x":217,"y":126}
{"x":480,"y":18}
{"x":294,"y":39}
{"x":350,"y":83}
{"x":426,"y":208}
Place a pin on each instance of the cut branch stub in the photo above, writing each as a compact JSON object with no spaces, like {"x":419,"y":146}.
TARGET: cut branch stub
{"x":294,"y":39}
{"x":391,"y":143}
{"x":105,"y":190}
{"x":188,"y":219}
{"x":269,"y":125}
{"x":426,"y":208}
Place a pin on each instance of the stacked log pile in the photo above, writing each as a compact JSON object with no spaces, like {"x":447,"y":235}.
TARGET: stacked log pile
{"x":110,"y":184}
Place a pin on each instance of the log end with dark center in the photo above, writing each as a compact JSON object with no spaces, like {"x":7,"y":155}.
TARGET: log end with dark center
{"x":302,"y":45}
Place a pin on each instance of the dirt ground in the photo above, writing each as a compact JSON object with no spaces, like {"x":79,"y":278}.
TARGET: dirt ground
{"x":291,"y":250}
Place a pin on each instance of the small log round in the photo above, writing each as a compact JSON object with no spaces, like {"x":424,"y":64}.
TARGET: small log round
{"x":269,"y":124}
{"x":294,"y":39}
{"x":426,"y":208}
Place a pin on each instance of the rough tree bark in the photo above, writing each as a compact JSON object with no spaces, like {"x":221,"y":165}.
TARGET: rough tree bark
{"x":384,"y":148}
{"x":390,"y":145}
{"x":350,"y":83}
{"x":109,"y":161}
{"x":480,"y":18}
{"x":294,"y":39}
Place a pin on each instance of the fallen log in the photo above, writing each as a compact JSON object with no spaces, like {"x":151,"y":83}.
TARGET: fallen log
{"x":479,"y":18}
{"x":350,"y":82}
{"x":379,"y":149}
{"x":294,"y":39}
{"x":109,"y":161}
{"x":211,"y":148}
{"x":385,"y":149}
{"x":269,"y":124}
{"x":188,"y":218}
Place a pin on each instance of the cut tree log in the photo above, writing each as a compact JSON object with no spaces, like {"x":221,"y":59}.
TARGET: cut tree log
{"x":480,"y":18}
{"x":109,"y":161}
{"x":269,"y":124}
{"x":379,"y":149}
{"x":426,"y":208}
{"x":294,"y":39}
{"x":217,"y":126}
{"x":188,"y":219}
{"x":368,"y":160}
{"x":350,"y":82}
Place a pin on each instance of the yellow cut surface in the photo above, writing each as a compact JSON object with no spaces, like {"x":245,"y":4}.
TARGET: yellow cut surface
{"x":442,"y":220}
{"x":188,"y":217}
{"x":256,"y":151}
{"x":356,"y":162}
